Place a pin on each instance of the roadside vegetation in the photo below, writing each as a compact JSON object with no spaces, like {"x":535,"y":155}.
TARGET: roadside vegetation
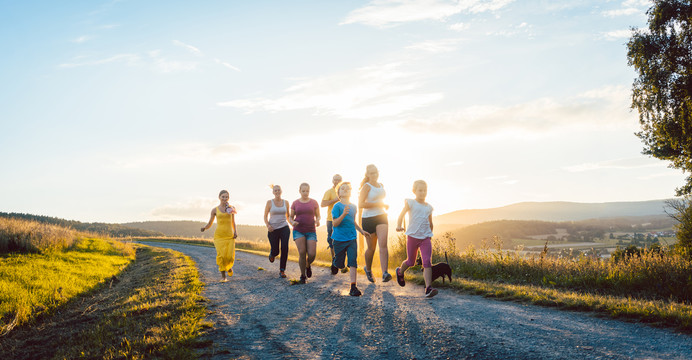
{"x":68,"y":294}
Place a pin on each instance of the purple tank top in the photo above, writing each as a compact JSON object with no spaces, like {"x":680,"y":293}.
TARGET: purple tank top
{"x":305,"y":215}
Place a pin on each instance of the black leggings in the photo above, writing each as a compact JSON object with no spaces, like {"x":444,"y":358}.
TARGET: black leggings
{"x":282,"y":235}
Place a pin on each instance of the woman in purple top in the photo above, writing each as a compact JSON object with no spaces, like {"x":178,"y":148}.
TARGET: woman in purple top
{"x":305,"y":217}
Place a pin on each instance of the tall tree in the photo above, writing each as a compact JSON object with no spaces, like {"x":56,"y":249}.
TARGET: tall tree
{"x":662,"y":93}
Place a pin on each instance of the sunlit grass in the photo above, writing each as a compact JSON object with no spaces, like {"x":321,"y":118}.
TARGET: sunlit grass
{"x":31,"y":284}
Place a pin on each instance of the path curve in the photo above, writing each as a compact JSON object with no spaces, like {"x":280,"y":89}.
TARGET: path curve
{"x":258,"y":315}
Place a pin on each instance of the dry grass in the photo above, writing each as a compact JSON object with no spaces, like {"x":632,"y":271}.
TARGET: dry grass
{"x":33,"y":237}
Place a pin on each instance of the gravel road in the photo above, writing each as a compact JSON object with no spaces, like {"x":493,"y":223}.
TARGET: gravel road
{"x":258,"y":315}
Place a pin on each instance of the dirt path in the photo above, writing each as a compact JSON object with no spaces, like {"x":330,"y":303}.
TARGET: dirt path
{"x":258,"y":315}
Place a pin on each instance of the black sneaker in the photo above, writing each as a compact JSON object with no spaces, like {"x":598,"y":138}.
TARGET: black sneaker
{"x":271,"y":258}
{"x":354,"y":291}
{"x":302,"y":280}
{"x":334,"y":269}
{"x":430,"y":292}
{"x":344,"y":270}
{"x":386,"y":277}
{"x":400,"y":278}
{"x":308,"y":272}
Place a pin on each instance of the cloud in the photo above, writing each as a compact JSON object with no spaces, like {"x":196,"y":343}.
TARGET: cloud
{"x":459,"y":26}
{"x":195,"y":153}
{"x":82,"y":39}
{"x":617,"y":34}
{"x":218,"y":61}
{"x":602,"y":107}
{"x":620,"y":164}
{"x":383,"y":13}
{"x":187,"y":209}
{"x":514,"y":30}
{"x":130,"y":59}
{"x":364,"y":93}
{"x":629,"y":7}
{"x":436,"y":46}
{"x":190,"y":48}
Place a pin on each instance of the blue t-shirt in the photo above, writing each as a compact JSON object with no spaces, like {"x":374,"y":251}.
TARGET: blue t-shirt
{"x":346,"y":231}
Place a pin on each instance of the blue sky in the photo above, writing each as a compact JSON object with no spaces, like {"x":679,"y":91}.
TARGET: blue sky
{"x":121,"y":111}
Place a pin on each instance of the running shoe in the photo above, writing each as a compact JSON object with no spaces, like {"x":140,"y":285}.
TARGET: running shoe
{"x":344,"y":270}
{"x":271,"y":258}
{"x":302,"y":280}
{"x":430,"y":292}
{"x":368,"y":274}
{"x":282,"y":274}
{"x":308,"y":271}
{"x":334,"y":269}
{"x":400,"y":278}
{"x":386,"y":277}
{"x":354,"y":291}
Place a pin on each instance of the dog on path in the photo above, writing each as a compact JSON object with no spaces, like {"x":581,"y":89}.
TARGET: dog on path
{"x":439,"y":269}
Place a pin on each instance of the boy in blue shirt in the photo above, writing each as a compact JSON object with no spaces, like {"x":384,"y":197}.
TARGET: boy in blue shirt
{"x":344,"y":235}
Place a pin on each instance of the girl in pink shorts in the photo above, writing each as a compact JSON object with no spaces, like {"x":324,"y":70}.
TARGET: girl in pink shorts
{"x":419,"y":232}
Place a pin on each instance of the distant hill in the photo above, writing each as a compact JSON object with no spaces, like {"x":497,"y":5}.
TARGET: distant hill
{"x":553,"y":211}
{"x":188,"y":228}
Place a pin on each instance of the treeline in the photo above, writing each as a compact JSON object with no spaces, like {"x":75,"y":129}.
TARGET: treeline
{"x":191,"y":229}
{"x":113,"y":230}
{"x":585,"y":230}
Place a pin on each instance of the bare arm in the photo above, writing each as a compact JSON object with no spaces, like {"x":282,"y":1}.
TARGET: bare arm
{"x":326,"y":203}
{"x":430,"y":221}
{"x":235,"y":232}
{"x":317,"y":216}
{"x":211,"y":220}
{"x":288,"y":219}
{"x":292,"y":217}
{"x":266,"y":215}
{"x":401,"y":217}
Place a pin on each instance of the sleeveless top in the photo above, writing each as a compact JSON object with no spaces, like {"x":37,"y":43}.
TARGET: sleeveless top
{"x":277,"y":215}
{"x":224,"y":226}
{"x":375,"y":194}
{"x":418,"y":219}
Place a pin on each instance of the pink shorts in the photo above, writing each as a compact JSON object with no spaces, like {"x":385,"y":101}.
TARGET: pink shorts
{"x":425,"y":246}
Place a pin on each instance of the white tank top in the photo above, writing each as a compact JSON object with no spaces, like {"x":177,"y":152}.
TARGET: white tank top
{"x":418,"y":219}
{"x":375,"y":194}
{"x":277,"y":215}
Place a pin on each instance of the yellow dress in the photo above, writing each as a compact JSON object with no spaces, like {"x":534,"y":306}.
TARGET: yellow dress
{"x":224,"y":242}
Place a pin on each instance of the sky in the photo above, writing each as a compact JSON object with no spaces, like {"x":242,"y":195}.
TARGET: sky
{"x":120,"y":111}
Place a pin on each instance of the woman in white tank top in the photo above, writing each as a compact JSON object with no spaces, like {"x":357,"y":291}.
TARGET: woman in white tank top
{"x":278,"y":232}
{"x":374,"y":221}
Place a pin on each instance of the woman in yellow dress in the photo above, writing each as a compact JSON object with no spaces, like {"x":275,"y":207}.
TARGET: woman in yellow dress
{"x":225,"y":234}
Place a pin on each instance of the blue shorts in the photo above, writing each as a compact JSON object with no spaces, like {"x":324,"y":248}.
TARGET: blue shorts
{"x":310,"y":236}
{"x":343,"y":248}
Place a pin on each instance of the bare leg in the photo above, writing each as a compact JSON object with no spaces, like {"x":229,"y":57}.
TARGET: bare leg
{"x":312,"y":251}
{"x":370,"y":251}
{"x":427,"y":275}
{"x":353,"y":274}
{"x":302,"y":251}
{"x":381,"y":230}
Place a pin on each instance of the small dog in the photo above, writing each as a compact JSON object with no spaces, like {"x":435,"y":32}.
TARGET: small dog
{"x":439,"y":269}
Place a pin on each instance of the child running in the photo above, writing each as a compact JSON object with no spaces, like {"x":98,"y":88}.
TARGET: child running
{"x":419,"y":232}
{"x":344,"y":235}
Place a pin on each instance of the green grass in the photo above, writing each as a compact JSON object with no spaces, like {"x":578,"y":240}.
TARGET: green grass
{"x":159,"y":313}
{"x":32,"y":284}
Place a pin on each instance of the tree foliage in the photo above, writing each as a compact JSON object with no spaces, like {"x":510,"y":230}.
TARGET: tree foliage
{"x":662,"y":92}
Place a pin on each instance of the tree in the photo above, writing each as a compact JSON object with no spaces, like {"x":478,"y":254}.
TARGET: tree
{"x":662,"y":93}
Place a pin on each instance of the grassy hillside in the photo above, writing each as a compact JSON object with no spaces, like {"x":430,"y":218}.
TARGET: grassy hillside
{"x":510,"y":231}
{"x":554,"y":211}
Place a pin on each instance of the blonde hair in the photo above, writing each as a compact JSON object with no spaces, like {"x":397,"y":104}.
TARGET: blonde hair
{"x":418,"y":183}
{"x":366,"y":178}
